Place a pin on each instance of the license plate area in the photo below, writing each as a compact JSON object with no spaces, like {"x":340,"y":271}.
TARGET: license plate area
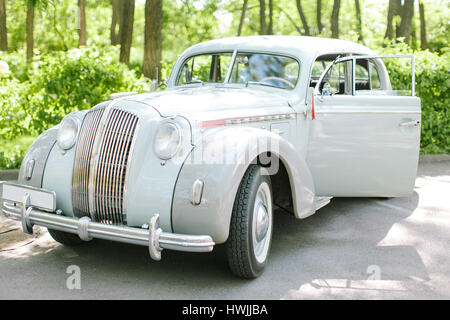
{"x":38,"y":198}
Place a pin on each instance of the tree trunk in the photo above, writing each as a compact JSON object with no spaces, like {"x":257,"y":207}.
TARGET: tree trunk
{"x":30,"y":30}
{"x":406,"y":13}
{"x":241,"y":20}
{"x":82,"y":31}
{"x":3,"y":33}
{"x":335,"y":19}
{"x":270,"y":28}
{"x":303,"y":17}
{"x":116,"y":8}
{"x":393,"y":10}
{"x":126,"y":30}
{"x":291,"y":20}
{"x":319,"y":16}
{"x":359,"y":21}
{"x":153,"y":39}
{"x":423,"y":29}
{"x":262,"y":16}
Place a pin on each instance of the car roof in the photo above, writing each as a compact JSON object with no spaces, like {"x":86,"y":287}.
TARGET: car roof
{"x":296,"y":45}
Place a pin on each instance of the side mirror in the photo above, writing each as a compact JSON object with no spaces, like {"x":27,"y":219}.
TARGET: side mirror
{"x":326,"y":89}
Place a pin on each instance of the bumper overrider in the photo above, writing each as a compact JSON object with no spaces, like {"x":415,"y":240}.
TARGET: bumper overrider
{"x":35,"y":206}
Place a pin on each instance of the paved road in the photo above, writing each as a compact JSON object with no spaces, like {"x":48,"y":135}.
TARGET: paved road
{"x":351,"y":249}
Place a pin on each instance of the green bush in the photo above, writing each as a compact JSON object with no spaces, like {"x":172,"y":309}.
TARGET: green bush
{"x":36,"y":96}
{"x":75,"y":80}
{"x":12,"y":158}
{"x":13,"y":117}
{"x":433,"y":87}
{"x":56,"y":84}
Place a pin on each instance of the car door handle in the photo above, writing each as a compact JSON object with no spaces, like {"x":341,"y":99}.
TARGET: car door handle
{"x":410,"y":123}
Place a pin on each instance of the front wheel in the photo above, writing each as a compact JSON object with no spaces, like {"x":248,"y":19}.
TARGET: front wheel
{"x":251,"y":224}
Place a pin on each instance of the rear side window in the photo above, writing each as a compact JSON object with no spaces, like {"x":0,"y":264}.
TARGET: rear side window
{"x":374,"y":76}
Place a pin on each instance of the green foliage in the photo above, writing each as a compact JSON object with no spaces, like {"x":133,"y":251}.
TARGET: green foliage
{"x":433,"y":87}
{"x":35,"y":96}
{"x":12,"y":151}
{"x":75,"y":80}
{"x":57,"y":84}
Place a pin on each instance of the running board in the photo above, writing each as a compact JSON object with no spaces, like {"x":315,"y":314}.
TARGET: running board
{"x":321,"y":202}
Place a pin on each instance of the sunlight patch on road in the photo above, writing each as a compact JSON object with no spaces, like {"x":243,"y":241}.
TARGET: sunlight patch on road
{"x":353,"y":289}
{"x":20,"y":250}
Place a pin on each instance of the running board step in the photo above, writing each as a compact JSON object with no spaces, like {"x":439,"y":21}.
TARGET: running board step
{"x":321,"y":202}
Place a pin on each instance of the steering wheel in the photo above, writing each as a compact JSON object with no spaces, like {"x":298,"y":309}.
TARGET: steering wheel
{"x":290,"y":84}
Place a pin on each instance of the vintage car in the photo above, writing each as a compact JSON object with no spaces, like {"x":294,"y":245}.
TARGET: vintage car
{"x":246,"y":125}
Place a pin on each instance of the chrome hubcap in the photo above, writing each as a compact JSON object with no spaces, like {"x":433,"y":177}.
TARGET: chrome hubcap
{"x":262,"y":222}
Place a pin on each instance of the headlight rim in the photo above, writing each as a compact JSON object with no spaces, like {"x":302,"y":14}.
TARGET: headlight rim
{"x":74,"y":139}
{"x":177,"y":148}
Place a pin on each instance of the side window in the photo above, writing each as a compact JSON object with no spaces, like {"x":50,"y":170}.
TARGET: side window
{"x":318,"y":68}
{"x":374,"y":76}
{"x":362,"y":81}
{"x":366,"y":76}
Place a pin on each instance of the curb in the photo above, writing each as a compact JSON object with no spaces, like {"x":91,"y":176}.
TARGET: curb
{"x":7,"y":175}
{"x":430,"y":158}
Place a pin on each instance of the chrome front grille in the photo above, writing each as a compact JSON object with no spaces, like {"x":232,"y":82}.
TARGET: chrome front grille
{"x":101,"y":162}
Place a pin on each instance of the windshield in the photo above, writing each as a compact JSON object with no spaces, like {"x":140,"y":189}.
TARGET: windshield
{"x":265,"y":69}
{"x":248,"y":69}
{"x":205,"y":68}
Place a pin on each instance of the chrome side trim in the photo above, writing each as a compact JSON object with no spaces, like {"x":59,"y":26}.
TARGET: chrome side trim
{"x":367,"y":111}
{"x":249,"y":119}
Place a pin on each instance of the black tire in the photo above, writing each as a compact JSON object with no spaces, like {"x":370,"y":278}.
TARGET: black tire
{"x":65,"y":238}
{"x":240,"y":250}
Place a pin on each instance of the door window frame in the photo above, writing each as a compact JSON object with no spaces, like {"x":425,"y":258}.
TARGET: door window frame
{"x":353,"y":59}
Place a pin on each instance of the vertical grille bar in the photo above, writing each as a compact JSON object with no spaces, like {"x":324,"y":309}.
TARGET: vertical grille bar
{"x":108,"y":173}
{"x":80,"y":179}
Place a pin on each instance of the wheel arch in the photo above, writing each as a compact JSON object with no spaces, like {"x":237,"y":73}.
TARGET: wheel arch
{"x":221,"y":180}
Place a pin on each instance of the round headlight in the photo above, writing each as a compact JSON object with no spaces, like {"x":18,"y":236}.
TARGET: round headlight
{"x":167,"y":140}
{"x":67,"y":133}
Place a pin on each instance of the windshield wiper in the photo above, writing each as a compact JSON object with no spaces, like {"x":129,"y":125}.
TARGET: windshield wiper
{"x":261,"y":84}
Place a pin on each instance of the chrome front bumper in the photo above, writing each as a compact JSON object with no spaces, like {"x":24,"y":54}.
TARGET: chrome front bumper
{"x":153,"y":237}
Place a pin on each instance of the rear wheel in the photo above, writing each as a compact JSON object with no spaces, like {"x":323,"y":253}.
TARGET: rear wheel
{"x":251,"y":224}
{"x":65,"y":238}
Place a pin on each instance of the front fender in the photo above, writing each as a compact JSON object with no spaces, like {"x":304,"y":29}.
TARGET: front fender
{"x":38,"y":152}
{"x":220,"y":162}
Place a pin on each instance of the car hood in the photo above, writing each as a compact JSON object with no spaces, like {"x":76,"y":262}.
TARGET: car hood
{"x":216,"y":101}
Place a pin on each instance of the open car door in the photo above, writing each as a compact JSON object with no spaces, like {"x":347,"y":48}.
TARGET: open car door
{"x":365,"y":137}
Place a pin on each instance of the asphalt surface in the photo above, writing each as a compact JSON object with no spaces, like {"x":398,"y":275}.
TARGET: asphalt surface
{"x":353,"y":248}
